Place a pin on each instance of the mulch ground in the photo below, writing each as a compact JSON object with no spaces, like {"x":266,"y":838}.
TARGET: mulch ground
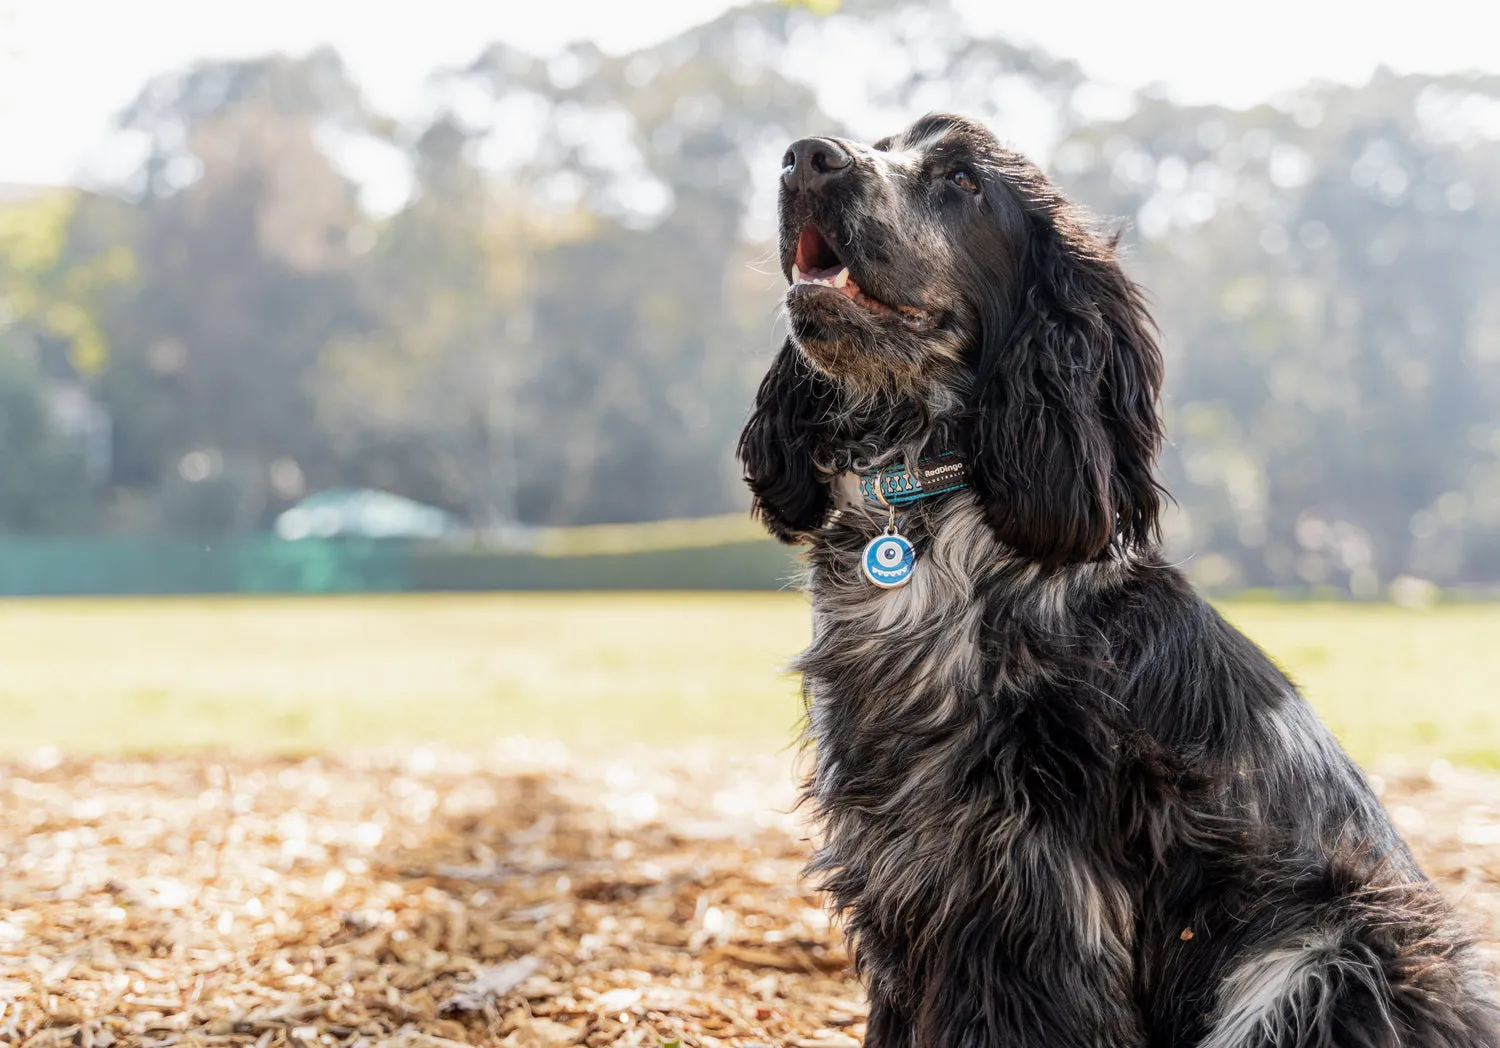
{"x":427,"y":899}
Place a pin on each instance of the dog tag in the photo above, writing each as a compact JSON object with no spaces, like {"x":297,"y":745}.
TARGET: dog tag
{"x":888,"y":560}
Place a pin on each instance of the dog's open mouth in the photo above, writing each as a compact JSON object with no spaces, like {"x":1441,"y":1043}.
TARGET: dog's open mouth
{"x":817,"y":265}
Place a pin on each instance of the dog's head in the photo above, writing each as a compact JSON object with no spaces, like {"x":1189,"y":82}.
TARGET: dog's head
{"x":939,"y":268}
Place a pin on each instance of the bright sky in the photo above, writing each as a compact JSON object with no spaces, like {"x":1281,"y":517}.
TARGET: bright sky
{"x":67,"y":65}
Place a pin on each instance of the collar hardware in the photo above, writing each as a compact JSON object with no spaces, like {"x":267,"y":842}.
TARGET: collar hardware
{"x":899,"y":485}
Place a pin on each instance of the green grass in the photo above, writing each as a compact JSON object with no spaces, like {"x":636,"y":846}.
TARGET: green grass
{"x":604,"y":670}
{"x":1388,"y":681}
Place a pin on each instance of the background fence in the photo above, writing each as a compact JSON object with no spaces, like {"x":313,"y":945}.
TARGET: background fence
{"x":53,"y":566}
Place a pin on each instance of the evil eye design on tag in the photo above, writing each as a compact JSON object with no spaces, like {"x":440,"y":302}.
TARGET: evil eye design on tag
{"x":888,"y":561}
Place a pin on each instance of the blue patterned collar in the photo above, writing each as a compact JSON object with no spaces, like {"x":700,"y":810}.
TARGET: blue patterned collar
{"x":897,"y":485}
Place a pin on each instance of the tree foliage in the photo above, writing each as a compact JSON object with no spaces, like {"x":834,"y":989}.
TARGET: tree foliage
{"x":561,"y":309}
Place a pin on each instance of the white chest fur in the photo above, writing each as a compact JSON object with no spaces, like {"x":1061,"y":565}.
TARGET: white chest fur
{"x":925,"y":635}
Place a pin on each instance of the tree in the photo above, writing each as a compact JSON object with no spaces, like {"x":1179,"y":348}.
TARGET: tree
{"x":44,"y":485}
{"x":565,"y":321}
{"x":245,"y":252}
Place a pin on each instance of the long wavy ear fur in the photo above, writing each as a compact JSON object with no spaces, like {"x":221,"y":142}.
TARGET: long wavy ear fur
{"x":1062,"y":431}
{"x":777,"y":444}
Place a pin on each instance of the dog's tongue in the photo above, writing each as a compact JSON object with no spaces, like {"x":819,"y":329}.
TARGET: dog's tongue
{"x":813,"y":252}
{"x":816,"y":263}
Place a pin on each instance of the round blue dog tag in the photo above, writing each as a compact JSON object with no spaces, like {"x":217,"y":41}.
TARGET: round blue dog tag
{"x":888,"y":561}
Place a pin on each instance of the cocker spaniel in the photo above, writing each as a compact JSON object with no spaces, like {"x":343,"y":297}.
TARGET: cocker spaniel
{"x":1062,"y":802}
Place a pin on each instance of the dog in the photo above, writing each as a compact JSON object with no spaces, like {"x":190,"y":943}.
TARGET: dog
{"x":1062,"y":803}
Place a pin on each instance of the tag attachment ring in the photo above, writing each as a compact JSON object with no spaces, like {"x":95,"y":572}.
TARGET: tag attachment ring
{"x":889,"y":559}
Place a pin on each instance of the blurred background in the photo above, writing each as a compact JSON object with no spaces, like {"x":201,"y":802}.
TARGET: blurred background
{"x":387,"y":659}
{"x":303,"y":300}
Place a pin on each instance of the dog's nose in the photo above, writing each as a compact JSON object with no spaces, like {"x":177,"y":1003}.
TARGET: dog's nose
{"x":812,"y":162}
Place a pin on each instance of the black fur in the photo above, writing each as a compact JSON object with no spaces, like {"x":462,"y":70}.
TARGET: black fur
{"x":1063,"y":428}
{"x":1063,"y":802}
{"x":789,"y":410}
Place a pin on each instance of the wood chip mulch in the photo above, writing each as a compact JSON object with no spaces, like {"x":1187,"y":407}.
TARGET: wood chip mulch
{"x":429,"y":899}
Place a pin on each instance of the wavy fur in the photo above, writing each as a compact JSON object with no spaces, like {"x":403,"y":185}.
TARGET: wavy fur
{"x":1063,"y":802}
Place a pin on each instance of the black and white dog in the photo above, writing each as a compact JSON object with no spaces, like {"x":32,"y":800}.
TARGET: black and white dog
{"x":1063,"y":803}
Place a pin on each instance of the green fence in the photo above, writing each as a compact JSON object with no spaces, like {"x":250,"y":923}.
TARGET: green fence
{"x":50,"y":566}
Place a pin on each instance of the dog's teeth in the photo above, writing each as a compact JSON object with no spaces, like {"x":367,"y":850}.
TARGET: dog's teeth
{"x":796,"y":274}
{"x":842,"y":279}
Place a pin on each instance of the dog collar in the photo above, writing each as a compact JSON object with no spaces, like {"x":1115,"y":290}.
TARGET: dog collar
{"x":899,"y":485}
{"x":888,"y":560}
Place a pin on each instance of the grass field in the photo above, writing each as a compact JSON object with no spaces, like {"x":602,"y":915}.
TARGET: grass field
{"x":604,"y":670}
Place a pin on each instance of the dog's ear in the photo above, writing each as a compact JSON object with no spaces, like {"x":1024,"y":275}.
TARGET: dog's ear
{"x":1062,"y":429}
{"x":777,"y":444}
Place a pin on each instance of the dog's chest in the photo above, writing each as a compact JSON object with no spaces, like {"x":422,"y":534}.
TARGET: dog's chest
{"x":893,"y":674}
{"x":930,"y":821}
{"x":921,"y":787}
{"x":883,"y":635}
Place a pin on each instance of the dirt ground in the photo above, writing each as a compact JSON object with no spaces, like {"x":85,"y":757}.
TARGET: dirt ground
{"x":523,"y":898}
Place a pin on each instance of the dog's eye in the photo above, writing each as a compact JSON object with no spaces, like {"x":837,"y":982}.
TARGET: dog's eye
{"x":964,"y":180}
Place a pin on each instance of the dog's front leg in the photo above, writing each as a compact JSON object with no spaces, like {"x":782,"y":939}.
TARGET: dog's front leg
{"x":1006,"y":1005}
{"x":1017,"y":978}
{"x":889,"y":1025}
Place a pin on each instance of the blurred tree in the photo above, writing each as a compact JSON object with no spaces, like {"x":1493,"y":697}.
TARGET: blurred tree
{"x":57,"y":275}
{"x":564,"y":319}
{"x":1326,"y":273}
{"x":63,"y":268}
{"x":643,"y":328}
{"x":430,"y":401}
{"x":244,"y":248}
{"x":44,"y":485}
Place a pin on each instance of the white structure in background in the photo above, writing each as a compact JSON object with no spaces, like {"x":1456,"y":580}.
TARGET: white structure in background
{"x":363,"y":513}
